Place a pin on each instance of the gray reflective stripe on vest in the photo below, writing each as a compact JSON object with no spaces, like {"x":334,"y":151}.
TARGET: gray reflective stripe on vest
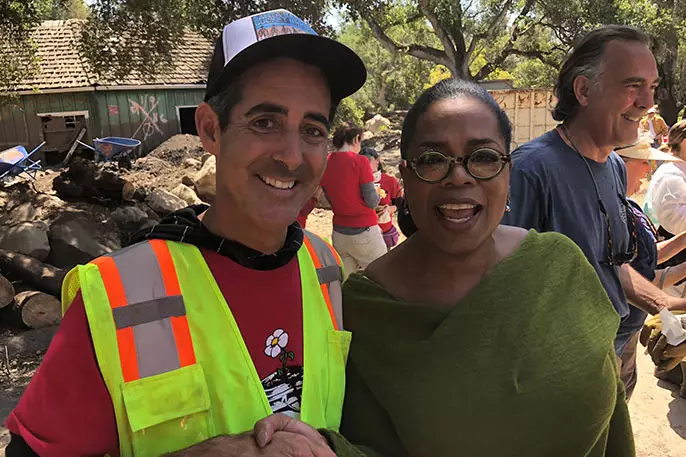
{"x":149,"y":309}
{"x":330,"y":273}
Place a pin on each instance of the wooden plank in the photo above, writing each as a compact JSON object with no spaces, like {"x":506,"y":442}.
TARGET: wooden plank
{"x":68,"y":103}
{"x":128,"y":121}
{"x":31,"y":121}
{"x":5,"y":137}
{"x":18,"y":122}
{"x":74,"y":145}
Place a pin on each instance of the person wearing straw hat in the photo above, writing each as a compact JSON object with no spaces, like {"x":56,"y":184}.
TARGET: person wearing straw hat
{"x":651,"y":251}
{"x":218,"y":316}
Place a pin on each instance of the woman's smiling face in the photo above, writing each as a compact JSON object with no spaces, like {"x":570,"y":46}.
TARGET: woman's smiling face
{"x":459,"y":212}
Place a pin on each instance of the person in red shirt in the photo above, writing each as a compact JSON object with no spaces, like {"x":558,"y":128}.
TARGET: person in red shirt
{"x":266,"y":118}
{"x":348,"y":184}
{"x":390,"y":202}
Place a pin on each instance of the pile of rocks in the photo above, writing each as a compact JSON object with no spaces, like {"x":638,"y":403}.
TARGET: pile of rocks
{"x":382,"y":132}
{"x":71,"y":216}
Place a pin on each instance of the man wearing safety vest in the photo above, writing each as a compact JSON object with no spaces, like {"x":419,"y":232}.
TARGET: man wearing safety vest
{"x":220,"y":316}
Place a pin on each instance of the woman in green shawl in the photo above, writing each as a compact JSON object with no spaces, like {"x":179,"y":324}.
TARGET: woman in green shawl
{"x":472,"y":338}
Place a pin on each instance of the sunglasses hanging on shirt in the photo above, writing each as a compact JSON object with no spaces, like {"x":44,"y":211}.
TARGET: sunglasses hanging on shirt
{"x":620,"y":258}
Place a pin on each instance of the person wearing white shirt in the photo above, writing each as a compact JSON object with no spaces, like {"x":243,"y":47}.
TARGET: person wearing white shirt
{"x":665,"y":201}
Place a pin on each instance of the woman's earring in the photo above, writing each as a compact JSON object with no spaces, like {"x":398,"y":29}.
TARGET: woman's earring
{"x":508,"y":208}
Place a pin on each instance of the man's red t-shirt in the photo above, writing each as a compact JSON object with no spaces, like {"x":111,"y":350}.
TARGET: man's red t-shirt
{"x":345,"y":173}
{"x":66,"y":410}
{"x":393,"y":190}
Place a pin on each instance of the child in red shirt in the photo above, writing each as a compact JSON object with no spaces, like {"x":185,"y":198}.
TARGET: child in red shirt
{"x":390,"y":202}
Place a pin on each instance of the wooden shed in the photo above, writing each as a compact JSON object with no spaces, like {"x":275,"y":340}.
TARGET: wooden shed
{"x":65,"y":97}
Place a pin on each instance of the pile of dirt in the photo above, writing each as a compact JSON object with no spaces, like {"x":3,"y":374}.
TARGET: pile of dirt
{"x":178,"y":148}
{"x":164,"y":167}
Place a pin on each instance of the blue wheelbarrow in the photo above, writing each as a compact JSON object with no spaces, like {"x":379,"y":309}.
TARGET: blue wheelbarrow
{"x":17,"y":160}
{"x":111,"y":147}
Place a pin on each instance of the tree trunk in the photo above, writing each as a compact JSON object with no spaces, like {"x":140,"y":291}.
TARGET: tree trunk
{"x":669,"y":109}
{"x":665,"y":52}
{"x":381,"y":97}
{"x":34,"y":309}
{"x":42,"y":276}
{"x":6,"y":292}
{"x":85,"y":179}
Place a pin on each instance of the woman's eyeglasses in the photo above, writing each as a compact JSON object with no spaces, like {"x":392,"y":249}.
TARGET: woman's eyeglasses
{"x":482,"y":164}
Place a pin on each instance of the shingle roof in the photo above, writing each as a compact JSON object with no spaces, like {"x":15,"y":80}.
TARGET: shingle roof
{"x":61,"y":66}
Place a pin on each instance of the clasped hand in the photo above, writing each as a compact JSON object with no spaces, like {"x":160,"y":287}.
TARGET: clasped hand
{"x":274,"y":436}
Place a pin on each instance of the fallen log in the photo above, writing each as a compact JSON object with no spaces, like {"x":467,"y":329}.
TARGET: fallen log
{"x":85,"y":179}
{"x":29,"y":270}
{"x":33,"y":309}
{"x":6,"y":292}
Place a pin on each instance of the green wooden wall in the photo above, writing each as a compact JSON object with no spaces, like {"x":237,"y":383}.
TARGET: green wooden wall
{"x":148,"y":115}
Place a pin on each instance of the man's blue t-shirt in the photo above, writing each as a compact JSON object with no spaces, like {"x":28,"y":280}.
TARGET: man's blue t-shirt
{"x":551,"y":190}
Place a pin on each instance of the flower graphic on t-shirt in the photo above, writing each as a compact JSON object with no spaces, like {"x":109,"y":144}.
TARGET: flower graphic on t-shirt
{"x":276,"y":347}
{"x":275,"y":343}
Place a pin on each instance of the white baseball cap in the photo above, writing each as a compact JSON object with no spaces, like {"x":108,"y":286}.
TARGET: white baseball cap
{"x":279,"y":33}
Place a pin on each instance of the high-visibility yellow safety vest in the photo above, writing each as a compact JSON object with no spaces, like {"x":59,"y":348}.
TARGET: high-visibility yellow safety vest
{"x":173,"y":358}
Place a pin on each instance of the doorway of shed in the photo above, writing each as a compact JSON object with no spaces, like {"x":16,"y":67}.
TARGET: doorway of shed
{"x":187,"y":119}
{"x":60,"y":131}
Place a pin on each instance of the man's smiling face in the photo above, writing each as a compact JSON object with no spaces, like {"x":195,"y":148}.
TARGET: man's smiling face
{"x":273,"y":152}
{"x":623,"y":93}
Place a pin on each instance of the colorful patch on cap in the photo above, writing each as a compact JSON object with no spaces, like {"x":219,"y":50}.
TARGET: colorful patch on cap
{"x":275,"y":23}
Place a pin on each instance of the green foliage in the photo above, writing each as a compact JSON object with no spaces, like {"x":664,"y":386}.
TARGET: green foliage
{"x":17,"y":50}
{"x":17,"y":19}
{"x":530,"y":73}
{"x":437,"y":74}
{"x":393,"y":79}
{"x":61,"y":9}
{"x":123,"y":36}
{"x":349,"y":111}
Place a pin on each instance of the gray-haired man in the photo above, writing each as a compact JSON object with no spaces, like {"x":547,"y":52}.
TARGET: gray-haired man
{"x":570,"y":181}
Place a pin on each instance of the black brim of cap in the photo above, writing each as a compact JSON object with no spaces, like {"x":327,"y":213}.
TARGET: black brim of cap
{"x":343,"y":69}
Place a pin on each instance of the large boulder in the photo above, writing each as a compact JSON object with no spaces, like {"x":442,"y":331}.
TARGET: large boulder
{"x":163,"y":202}
{"x":129,"y":215}
{"x":206,"y":180}
{"x":131,"y":219}
{"x":186,"y":194}
{"x":78,"y":241}
{"x":377,"y":124}
{"x":29,"y":238}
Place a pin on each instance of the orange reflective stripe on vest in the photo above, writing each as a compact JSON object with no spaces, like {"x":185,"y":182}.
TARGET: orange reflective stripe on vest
{"x":148,"y":310}
{"x":329,"y":273}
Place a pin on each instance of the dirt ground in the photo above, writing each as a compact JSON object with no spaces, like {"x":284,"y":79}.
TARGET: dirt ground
{"x":658,"y":413}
